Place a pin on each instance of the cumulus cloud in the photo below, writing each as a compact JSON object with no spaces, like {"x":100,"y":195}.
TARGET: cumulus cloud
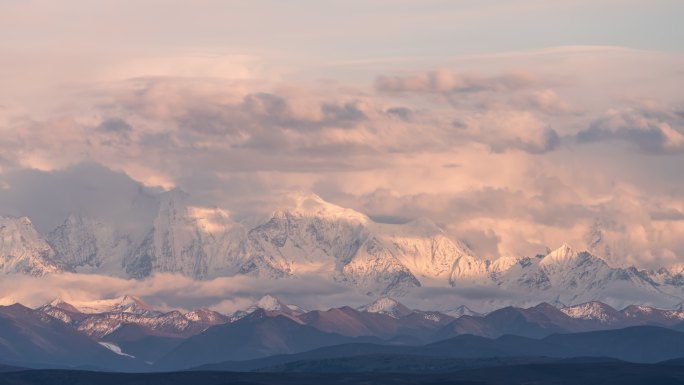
{"x":498,"y":158}
{"x":503,"y":128}
{"x":643,"y":129}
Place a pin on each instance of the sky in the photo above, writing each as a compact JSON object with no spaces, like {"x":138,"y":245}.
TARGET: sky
{"x":515,"y":125}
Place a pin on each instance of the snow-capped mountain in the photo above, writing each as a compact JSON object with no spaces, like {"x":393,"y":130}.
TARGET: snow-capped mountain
{"x":124,"y":304}
{"x":314,"y":236}
{"x":461,"y":311}
{"x":593,"y":310}
{"x":388,"y":306}
{"x":271,"y":305}
{"x":566,"y":276}
{"x":630,"y":315}
{"x":175,"y":243}
{"x":101,"y":318}
{"x":88,"y":246}
{"x":23,"y":250}
{"x":33,"y":338}
{"x":309,"y":236}
{"x":153,"y":338}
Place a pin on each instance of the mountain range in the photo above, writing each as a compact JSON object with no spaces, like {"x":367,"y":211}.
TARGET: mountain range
{"x":312,"y":236}
{"x":127,"y":334}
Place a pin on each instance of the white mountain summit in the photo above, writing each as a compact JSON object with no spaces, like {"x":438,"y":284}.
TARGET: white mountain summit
{"x":388,"y":306}
{"x":23,"y":250}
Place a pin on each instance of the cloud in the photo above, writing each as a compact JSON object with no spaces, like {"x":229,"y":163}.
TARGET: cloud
{"x":447,"y":81}
{"x":403,"y":113}
{"x":115,"y":126}
{"x":548,"y":101}
{"x":229,"y":294}
{"x":541,"y":142}
{"x":643,"y":129}
{"x":526,"y":176}
{"x":503,"y":128}
{"x":169,"y":291}
{"x":225,"y":294}
{"x":49,"y":197}
{"x":668,"y":215}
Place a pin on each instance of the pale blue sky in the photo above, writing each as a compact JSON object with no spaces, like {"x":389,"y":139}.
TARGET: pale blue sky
{"x":339,"y":29}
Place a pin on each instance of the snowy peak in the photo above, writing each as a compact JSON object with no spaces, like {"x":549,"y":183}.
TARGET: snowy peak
{"x":313,"y":206}
{"x":310,"y":236}
{"x":58,"y":303}
{"x":23,"y":249}
{"x":268,"y":304}
{"x":271,"y":303}
{"x":634,"y":311}
{"x":594,"y":310}
{"x":176,"y":242}
{"x":387,"y":306}
{"x":461,"y":311}
{"x":75,"y":242}
{"x":125,"y":304}
{"x":206,"y":316}
{"x":563,"y":255}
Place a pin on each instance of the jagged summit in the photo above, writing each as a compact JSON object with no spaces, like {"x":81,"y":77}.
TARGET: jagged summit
{"x":566,"y":254}
{"x":562,"y":255}
{"x":461,"y":311}
{"x":206,"y":316}
{"x":270,"y":303}
{"x":23,"y":249}
{"x":59,"y":303}
{"x":308,"y":204}
{"x":593,"y":310}
{"x":388,"y":306}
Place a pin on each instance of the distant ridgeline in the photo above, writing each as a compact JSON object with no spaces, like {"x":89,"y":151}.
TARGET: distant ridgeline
{"x":126,"y":334}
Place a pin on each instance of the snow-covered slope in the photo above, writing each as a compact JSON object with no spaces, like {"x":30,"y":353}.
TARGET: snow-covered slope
{"x":23,"y":250}
{"x":174,"y":244}
{"x":101,"y":318}
{"x":271,"y":305}
{"x":388,"y":306}
{"x":461,"y":311}
{"x":315,"y":236}
{"x":566,"y":276}
{"x":127,"y":303}
{"x":593,"y":310}
{"x":89,"y":246}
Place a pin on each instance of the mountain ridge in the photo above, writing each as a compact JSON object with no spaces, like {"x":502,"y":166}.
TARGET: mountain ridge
{"x":312,"y":236}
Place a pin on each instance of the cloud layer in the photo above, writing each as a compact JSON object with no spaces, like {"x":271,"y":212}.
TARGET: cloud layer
{"x":513,"y":154}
